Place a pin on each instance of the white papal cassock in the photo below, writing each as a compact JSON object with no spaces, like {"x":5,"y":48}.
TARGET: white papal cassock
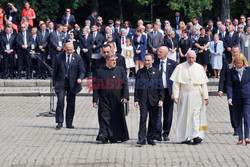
{"x":190,"y":86}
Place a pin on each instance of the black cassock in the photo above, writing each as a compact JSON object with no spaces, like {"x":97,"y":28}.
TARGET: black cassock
{"x":109,"y":87}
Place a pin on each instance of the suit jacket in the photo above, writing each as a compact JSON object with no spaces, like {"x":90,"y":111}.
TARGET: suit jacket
{"x":34,"y":43}
{"x":70,"y":21}
{"x":174,"y":23}
{"x":154,"y":41}
{"x":141,"y":45}
{"x":20,"y":42}
{"x":11,"y":42}
{"x":222,"y":38}
{"x":104,"y":37}
{"x":169,"y":70}
{"x":87,"y":44}
{"x":119,"y":44}
{"x":93,"y":20}
{"x":54,"y":42}
{"x":102,"y":31}
{"x":148,"y":87}
{"x":237,"y":89}
{"x":224,"y":75}
{"x":97,"y":42}
{"x":43,"y":41}
{"x":76,"y":71}
{"x":130,"y":33}
{"x":168,"y":43}
{"x":230,"y":42}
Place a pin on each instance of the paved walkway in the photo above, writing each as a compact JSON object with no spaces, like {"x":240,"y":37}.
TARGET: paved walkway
{"x":27,"y":140}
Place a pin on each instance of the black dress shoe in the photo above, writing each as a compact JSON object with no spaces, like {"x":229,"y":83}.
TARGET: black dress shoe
{"x":112,"y":140}
{"x":102,"y":139}
{"x":59,"y":126}
{"x":186,"y":142}
{"x":70,"y":127}
{"x":158,"y":137}
{"x":151,"y":142}
{"x":165,"y":137}
{"x":235,"y":133}
{"x":141,"y":142}
{"x":197,"y":140}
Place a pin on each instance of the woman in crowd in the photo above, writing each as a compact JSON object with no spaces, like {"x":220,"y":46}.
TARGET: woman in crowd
{"x":181,"y":28}
{"x":228,"y":22}
{"x":238,"y":92}
{"x":202,"y":44}
{"x":172,"y":43}
{"x":72,"y":39}
{"x":128,"y":54}
{"x":216,"y":49}
{"x":110,"y":39}
{"x":240,"y":29}
{"x":139,"y":45}
{"x":185,"y":45}
{"x":148,"y":28}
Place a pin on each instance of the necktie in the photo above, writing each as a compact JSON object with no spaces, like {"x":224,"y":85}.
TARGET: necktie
{"x":43,"y":35}
{"x":68,"y":64}
{"x":24,"y":38}
{"x":94,"y":36}
{"x":230,"y":35}
{"x":162,"y":62}
{"x":8,"y":37}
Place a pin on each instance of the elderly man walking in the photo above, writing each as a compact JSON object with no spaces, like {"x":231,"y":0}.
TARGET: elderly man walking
{"x":191,"y":95}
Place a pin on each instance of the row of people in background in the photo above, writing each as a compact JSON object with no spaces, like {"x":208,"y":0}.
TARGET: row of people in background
{"x":88,"y":40}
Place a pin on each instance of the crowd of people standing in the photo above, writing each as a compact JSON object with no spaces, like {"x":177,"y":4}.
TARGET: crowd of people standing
{"x":98,"y":49}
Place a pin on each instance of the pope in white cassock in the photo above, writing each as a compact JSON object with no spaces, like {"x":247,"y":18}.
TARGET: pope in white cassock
{"x":191,"y":95}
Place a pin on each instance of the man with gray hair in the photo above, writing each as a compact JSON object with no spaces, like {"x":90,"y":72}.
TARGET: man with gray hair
{"x":231,"y":39}
{"x":190,"y":93}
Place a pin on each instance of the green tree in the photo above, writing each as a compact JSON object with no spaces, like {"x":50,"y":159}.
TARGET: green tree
{"x":191,"y":8}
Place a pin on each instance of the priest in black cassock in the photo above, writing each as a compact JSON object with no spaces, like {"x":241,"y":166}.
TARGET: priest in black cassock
{"x":110,"y":93}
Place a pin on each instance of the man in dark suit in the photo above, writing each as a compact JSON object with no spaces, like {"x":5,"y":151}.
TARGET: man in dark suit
{"x":120,"y":40}
{"x":8,"y":48}
{"x":99,"y":24}
{"x":130,"y":32}
{"x":86,"y":45}
{"x":43,"y":42}
{"x":68,"y":18}
{"x":154,"y":40}
{"x":23,"y":42}
{"x":223,"y":85}
{"x":223,"y":34}
{"x":34,"y":49}
{"x":97,"y":38}
{"x":210,"y":24}
{"x":67,"y":77}
{"x":176,"y":20}
{"x":117,"y":27}
{"x":9,"y":24}
{"x":57,"y":43}
{"x":166,"y":66}
{"x":231,"y":39}
{"x":107,"y":33}
{"x":92,"y":18}
{"x":149,"y":96}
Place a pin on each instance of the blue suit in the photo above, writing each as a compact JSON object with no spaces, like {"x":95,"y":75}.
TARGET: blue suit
{"x":239,"y":92}
{"x":141,"y":45}
{"x":168,"y":104}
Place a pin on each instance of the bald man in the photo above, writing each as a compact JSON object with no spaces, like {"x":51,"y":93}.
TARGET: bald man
{"x":67,"y":77}
{"x":166,"y":66}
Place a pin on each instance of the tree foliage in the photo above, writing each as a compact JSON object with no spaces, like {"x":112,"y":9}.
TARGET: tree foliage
{"x":191,"y":8}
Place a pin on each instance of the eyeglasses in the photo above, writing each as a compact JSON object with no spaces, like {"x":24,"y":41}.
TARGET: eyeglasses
{"x":22,"y":27}
{"x":71,"y":34}
{"x":67,"y":11}
{"x":105,"y":52}
{"x":99,"y":20}
{"x":240,"y":27}
{"x":242,"y":18}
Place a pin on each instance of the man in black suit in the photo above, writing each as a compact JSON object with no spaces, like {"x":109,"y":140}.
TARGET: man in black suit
{"x":57,"y":42}
{"x":102,"y":26}
{"x":8,"y":48}
{"x":117,"y":27}
{"x":166,"y":66}
{"x":97,"y":38}
{"x":231,"y":39}
{"x":9,"y":24}
{"x":176,"y":20}
{"x":86,"y":45}
{"x":93,"y":18}
{"x":149,"y":95}
{"x":34,"y":49}
{"x":120,"y":40}
{"x":223,"y":85}
{"x":130,"y":32}
{"x":43,"y":42}
{"x":23,"y":42}
{"x":68,"y":18}
{"x":67,"y":77}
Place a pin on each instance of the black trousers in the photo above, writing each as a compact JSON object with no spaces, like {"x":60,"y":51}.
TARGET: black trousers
{"x":41,"y":71}
{"x":233,"y":117}
{"x":70,"y":110}
{"x":152,"y":123}
{"x":168,"y":105}
{"x":8,"y":60}
{"x":86,"y":57}
{"x":24,"y":58}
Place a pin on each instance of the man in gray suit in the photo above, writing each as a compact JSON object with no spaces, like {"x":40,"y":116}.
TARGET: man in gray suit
{"x":244,"y":43}
{"x":155,"y":40}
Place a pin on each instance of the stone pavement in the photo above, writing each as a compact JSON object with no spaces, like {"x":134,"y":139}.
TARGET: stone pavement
{"x":27,"y":140}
